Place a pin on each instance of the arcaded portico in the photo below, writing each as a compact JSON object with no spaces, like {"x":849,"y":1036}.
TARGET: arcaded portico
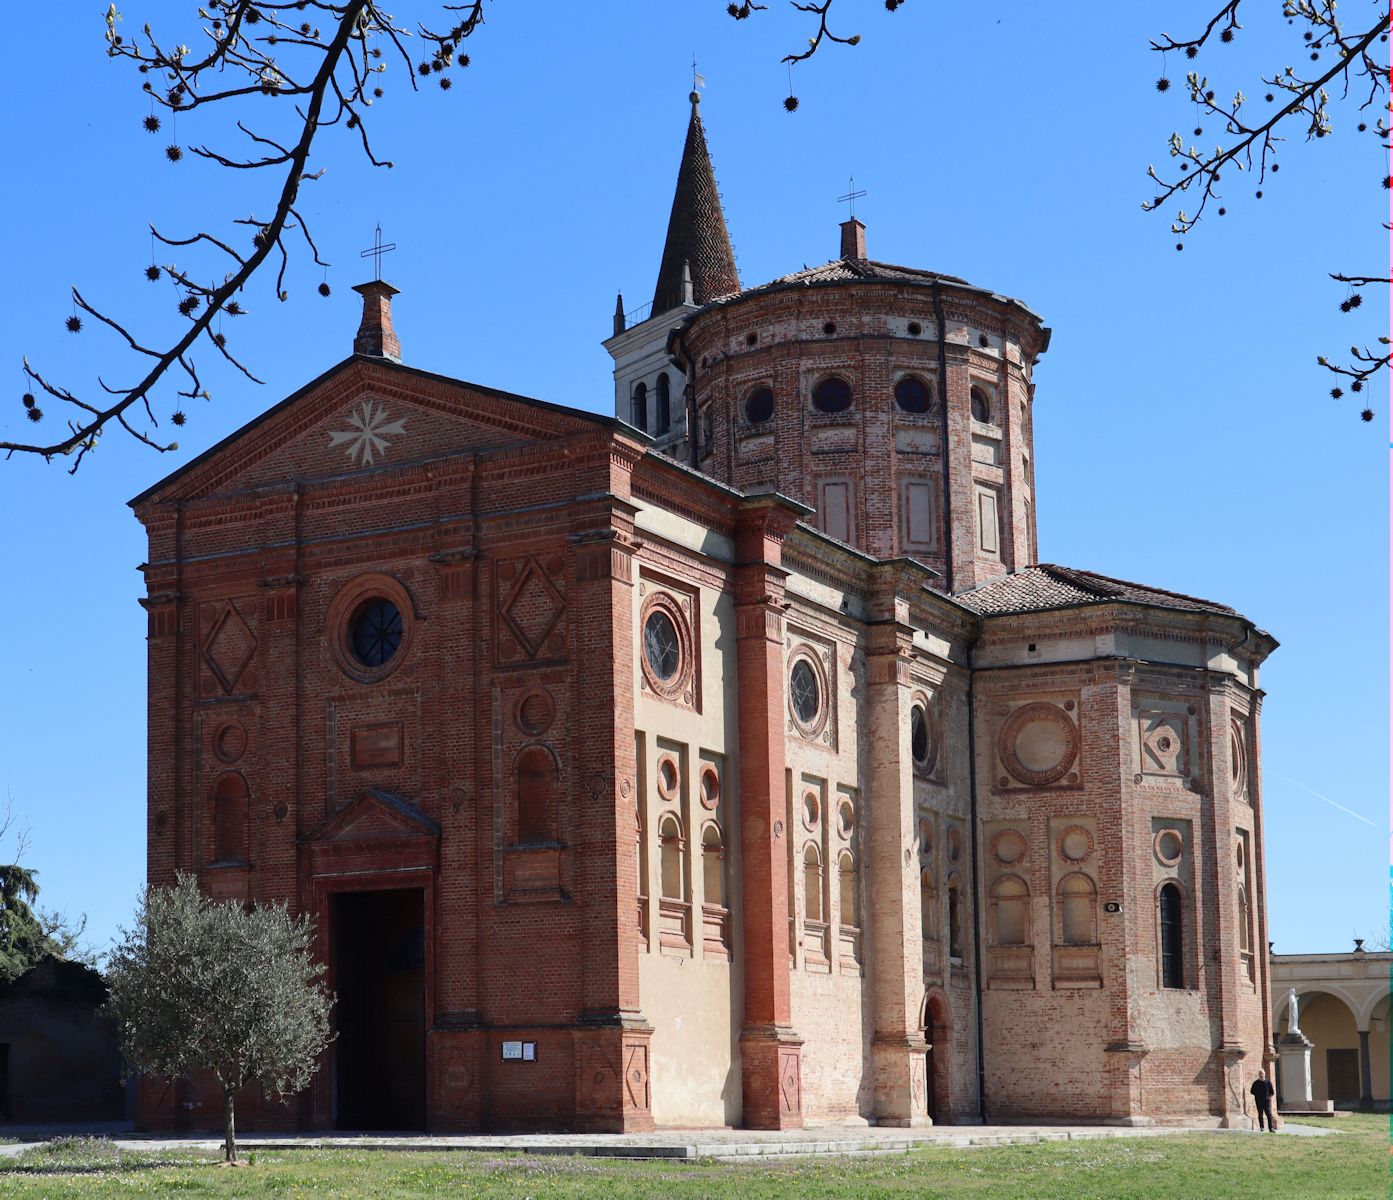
{"x":1342,"y":1003}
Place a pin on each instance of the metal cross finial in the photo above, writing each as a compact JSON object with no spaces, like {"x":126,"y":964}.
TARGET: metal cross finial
{"x":377,"y":250}
{"x":852,"y":195}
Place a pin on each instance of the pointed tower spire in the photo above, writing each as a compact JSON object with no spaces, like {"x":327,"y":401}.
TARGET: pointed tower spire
{"x":619,"y":323}
{"x":697,"y":241}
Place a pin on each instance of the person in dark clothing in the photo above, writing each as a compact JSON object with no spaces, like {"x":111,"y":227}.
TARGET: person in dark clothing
{"x":1263,"y":1091}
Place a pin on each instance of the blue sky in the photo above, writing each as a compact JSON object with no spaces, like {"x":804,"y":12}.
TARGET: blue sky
{"x":1184,"y":435}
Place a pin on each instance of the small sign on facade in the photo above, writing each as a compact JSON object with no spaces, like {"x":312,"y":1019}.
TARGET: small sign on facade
{"x":519,"y":1051}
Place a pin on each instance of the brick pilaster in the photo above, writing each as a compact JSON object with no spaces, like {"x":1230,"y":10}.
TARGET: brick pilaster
{"x":770,"y":1050}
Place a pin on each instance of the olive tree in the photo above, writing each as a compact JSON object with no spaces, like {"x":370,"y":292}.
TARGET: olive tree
{"x":207,"y":985}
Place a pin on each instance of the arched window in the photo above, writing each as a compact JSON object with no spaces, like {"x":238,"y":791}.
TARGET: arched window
{"x":1172,"y":919}
{"x":230,"y":797}
{"x":670,"y":852}
{"x":912,"y":394}
{"x":713,"y":871}
{"x":640,"y":407}
{"x":1011,"y":911}
{"x":536,"y":776}
{"x":1078,"y":911}
{"x":981,"y":404}
{"x":832,"y":395}
{"x":955,"y":932}
{"x":812,"y":883}
{"x":664,"y":404}
{"x":928,"y":906}
{"x":846,"y":878}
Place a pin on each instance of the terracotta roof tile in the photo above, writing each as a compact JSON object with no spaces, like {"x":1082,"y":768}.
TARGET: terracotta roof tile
{"x":1051,"y":586}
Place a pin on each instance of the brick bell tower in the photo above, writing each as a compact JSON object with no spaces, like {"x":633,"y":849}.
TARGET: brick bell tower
{"x":697,"y":267}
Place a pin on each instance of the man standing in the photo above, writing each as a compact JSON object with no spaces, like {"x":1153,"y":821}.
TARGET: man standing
{"x":1263,"y":1092}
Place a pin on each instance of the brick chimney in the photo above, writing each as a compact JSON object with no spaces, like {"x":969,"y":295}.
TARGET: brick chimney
{"x":375,"y":335}
{"x":853,"y":239}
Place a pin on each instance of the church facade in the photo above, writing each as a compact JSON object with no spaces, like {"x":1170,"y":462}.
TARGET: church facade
{"x":732,"y":760}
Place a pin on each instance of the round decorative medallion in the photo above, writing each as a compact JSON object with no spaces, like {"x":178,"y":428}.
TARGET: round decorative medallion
{"x":1038,"y":744}
{"x":536,"y":711}
{"x":955,"y":844}
{"x":1240,"y":856}
{"x":846,"y":818}
{"x":710,"y":787}
{"x":1075,"y":844}
{"x":668,"y":657}
{"x":1168,"y":845}
{"x":1008,"y":848}
{"x":669,"y":777}
{"x":229,"y":742}
{"x":812,"y":810}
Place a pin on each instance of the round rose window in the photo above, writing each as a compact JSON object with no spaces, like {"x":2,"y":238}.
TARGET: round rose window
{"x":803,"y":692}
{"x":374,"y":633}
{"x":660,"y":645}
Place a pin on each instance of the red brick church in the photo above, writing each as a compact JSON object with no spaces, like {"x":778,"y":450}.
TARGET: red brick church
{"x":732,"y":760}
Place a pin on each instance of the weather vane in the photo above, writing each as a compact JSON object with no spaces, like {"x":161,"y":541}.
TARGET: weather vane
{"x":698,"y":81}
{"x":377,"y":250}
{"x":851,"y":197}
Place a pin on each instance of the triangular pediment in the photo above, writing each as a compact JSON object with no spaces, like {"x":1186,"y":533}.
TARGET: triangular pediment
{"x":366,"y":415}
{"x":376,"y":816}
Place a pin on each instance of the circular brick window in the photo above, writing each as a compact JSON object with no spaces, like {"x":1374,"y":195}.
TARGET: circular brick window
{"x":955,"y":844}
{"x":812,"y":809}
{"x":926,"y":837}
{"x":805,"y":696}
{"x":912,"y":395}
{"x":667,"y":653}
{"x":923,"y":738}
{"x":832,"y":395}
{"x":370,"y":627}
{"x":915,"y":329}
{"x":759,"y":405}
{"x":846,"y":818}
{"x":374,"y":632}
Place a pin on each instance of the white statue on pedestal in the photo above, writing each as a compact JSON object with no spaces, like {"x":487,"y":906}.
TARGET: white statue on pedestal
{"x":1292,"y":1025}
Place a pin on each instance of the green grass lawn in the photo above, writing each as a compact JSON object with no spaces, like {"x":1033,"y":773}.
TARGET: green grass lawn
{"x":1353,"y":1163}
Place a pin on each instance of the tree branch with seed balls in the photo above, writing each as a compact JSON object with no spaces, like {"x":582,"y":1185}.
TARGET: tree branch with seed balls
{"x":255,"y":49}
{"x":337,"y":85}
{"x":1303,"y":103}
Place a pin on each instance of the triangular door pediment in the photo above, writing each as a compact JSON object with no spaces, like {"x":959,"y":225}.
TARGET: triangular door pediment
{"x":374,"y":817}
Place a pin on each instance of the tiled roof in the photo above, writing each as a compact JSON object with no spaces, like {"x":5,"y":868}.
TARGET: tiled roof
{"x":696,"y":231}
{"x":1050,"y":586}
{"x":845,"y":270}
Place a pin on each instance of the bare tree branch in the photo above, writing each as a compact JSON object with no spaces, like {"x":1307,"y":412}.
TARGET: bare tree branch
{"x":1303,"y":104}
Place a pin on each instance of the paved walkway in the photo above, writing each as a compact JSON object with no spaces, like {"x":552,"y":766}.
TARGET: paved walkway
{"x":678,"y":1144}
